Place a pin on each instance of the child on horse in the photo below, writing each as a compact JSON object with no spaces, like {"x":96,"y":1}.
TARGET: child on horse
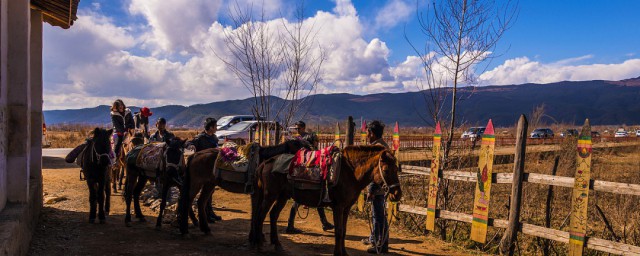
{"x":312,"y":139}
{"x":205,"y":140}
{"x":122,"y":121}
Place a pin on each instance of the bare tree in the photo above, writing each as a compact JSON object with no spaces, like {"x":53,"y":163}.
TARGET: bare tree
{"x":460,"y":35}
{"x":536,"y":115}
{"x":303,"y":59}
{"x":257,"y":58}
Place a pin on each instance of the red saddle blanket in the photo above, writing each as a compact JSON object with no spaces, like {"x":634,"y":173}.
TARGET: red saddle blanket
{"x":312,"y":165}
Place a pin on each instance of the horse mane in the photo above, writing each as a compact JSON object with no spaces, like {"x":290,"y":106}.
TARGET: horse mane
{"x":267,"y":152}
{"x":364,"y":156}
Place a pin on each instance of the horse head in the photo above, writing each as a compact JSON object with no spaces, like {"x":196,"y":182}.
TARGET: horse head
{"x":294,"y":146}
{"x":101,"y":145}
{"x":174,"y":155}
{"x":386,"y":175}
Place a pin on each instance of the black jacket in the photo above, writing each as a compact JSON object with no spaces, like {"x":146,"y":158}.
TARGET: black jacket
{"x":204,"y":141}
{"x":122,"y":123}
{"x":167,"y":136}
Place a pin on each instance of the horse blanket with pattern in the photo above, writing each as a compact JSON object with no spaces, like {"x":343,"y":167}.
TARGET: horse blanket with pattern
{"x":148,"y":157}
{"x":237,"y":163}
{"x":315,"y":166}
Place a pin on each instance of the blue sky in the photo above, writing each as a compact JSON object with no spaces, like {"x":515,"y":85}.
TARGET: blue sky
{"x":158,"y":52}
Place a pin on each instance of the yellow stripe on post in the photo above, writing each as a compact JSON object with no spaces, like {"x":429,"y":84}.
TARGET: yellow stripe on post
{"x":580,"y":195}
{"x":432,"y":196}
{"x":483,"y":186}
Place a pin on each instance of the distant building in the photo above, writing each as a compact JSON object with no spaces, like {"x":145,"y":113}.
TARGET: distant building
{"x":21,"y":24}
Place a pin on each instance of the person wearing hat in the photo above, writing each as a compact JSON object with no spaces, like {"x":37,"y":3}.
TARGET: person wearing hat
{"x":142,"y":120}
{"x":161,"y":135}
{"x":312,"y":139}
{"x":205,"y":140}
{"x":379,"y":237}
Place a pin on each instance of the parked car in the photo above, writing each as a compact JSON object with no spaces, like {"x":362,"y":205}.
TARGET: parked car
{"x":569,"y":133}
{"x":621,"y":134}
{"x":243,"y":130}
{"x":542,"y":133}
{"x":227,"y":121}
{"x":637,"y":133}
{"x":473,"y":133}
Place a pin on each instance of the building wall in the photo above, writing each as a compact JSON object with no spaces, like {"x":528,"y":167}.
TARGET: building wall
{"x":3,"y":103}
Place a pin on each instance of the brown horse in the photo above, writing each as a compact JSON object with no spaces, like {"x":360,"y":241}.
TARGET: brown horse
{"x":199,"y":177}
{"x":359,"y":166}
{"x":118,"y":169}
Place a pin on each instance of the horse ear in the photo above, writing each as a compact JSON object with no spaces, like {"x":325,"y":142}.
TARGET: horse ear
{"x":110,"y":132}
{"x":96,"y":131}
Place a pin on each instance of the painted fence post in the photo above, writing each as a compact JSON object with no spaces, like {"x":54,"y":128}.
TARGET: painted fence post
{"x":363,"y":141}
{"x":336,"y":136}
{"x":432,"y":198}
{"x":392,"y":210}
{"x":510,"y":235}
{"x":483,"y":186}
{"x":580,"y":197}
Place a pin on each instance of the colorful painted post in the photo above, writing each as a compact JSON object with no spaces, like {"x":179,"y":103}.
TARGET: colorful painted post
{"x":363,"y":132}
{"x":396,"y":139}
{"x":483,"y":186}
{"x":392,"y":210}
{"x":268,"y":137}
{"x":580,"y":197}
{"x":432,"y":196}
{"x":336,"y":137}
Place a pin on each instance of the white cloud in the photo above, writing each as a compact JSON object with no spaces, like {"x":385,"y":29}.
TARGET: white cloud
{"x":175,"y":22}
{"x":393,"y":13}
{"x":344,"y":8}
{"x":523,"y":70}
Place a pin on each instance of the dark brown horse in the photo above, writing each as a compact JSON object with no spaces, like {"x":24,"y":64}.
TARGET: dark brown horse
{"x":168,"y":172}
{"x":95,"y":166}
{"x":199,"y":177}
{"x":359,"y":166}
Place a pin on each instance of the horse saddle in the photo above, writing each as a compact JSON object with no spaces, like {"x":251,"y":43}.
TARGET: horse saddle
{"x":236,"y":163}
{"x":150,"y":157}
{"x":315,"y":166}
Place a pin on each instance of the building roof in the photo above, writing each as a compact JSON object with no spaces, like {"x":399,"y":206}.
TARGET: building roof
{"x":61,"y":13}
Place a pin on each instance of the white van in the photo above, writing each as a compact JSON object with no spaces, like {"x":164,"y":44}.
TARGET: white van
{"x":227,"y":121}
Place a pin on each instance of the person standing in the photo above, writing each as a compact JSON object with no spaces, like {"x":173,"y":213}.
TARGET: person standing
{"x":312,"y":139}
{"x":122,"y":121}
{"x":206,"y":140}
{"x":379,"y":238}
{"x":142,"y":120}
{"x":161,"y":135}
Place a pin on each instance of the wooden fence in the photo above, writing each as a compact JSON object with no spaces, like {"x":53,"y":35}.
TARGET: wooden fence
{"x":576,"y":237}
{"x":513,"y":226}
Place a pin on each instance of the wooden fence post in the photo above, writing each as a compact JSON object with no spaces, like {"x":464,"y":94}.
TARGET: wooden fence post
{"x":351,"y":130}
{"x":510,"y":235}
{"x":580,"y":195}
{"x":480,"y":221}
{"x":336,"y":136}
{"x":432,"y":196}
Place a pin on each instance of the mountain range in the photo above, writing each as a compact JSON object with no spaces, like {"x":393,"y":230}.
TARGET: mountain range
{"x":603,"y":102}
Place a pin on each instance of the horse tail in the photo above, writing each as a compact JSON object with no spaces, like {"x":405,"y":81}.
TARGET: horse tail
{"x":183,"y":202}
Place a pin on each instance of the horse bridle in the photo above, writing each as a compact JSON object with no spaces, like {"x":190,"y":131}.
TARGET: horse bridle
{"x":385,"y":185}
{"x":95,"y":153}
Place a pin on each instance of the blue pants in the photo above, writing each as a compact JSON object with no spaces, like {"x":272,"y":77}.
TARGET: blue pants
{"x":380,"y":235}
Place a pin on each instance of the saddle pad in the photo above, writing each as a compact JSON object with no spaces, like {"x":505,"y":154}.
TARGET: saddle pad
{"x":282,"y":163}
{"x":312,"y":166}
{"x":151,"y":156}
{"x":235,"y":158}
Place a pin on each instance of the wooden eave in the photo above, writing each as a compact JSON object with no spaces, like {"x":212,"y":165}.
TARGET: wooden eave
{"x":60,"y":13}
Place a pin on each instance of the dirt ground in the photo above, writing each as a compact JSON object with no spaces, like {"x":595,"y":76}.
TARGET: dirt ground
{"x":64,"y":228}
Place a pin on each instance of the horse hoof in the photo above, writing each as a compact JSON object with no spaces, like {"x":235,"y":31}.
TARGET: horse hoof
{"x":92,"y":220}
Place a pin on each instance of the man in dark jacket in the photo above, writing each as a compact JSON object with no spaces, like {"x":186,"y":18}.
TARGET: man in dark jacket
{"x":206,"y":140}
{"x":312,"y":139}
{"x":161,"y":135}
{"x":379,"y":238}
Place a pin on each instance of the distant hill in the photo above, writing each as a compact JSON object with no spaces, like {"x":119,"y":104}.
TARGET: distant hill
{"x":603,"y":102}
